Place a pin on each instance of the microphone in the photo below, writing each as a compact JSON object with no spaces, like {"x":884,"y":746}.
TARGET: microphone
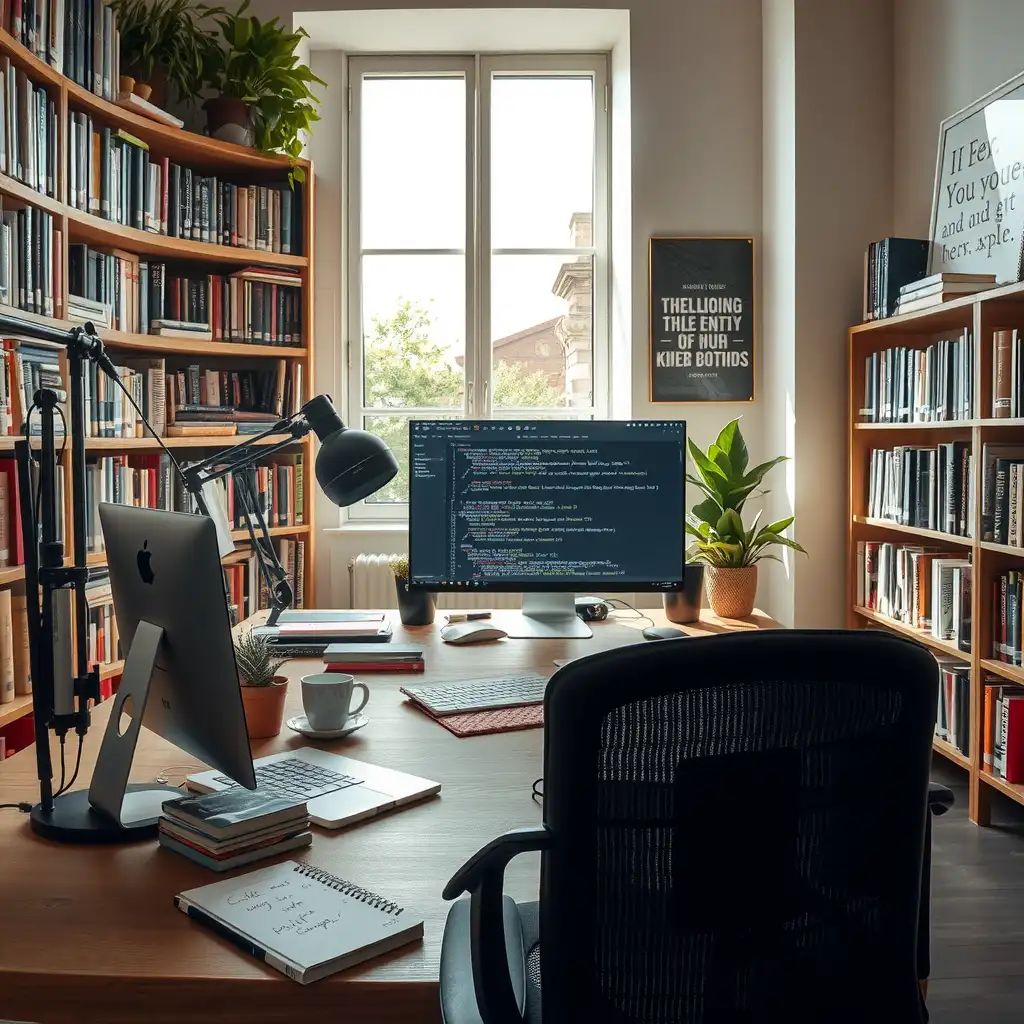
{"x":351,"y":464}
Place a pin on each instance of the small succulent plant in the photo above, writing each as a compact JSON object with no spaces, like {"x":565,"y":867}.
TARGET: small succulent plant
{"x":255,"y":657}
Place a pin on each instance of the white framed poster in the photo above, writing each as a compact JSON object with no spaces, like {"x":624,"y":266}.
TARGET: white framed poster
{"x":978,"y":201}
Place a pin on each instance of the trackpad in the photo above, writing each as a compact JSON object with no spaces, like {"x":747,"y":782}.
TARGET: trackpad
{"x":351,"y":804}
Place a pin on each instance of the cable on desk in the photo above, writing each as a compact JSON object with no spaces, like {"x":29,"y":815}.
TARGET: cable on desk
{"x":538,"y":791}
{"x":74,"y":774}
{"x":617,"y":604}
{"x":25,"y":807}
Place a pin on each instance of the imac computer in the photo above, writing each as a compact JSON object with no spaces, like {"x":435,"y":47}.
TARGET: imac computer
{"x":549,"y":508}
{"x":180,"y":679}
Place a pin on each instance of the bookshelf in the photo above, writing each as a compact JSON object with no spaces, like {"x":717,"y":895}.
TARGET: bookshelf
{"x":208,"y":157}
{"x":981,"y":314}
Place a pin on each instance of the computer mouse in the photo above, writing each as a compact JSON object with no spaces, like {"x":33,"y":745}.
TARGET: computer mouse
{"x":471,"y":633}
{"x":662,"y":633}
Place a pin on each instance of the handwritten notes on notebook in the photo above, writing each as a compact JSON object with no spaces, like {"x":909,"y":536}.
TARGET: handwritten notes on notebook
{"x":313,"y":921}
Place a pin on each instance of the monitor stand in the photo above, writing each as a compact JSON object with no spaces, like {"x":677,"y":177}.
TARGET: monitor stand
{"x":113,"y":810}
{"x":548,"y":617}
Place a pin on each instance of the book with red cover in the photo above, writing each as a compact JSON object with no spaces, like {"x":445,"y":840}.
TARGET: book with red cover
{"x":379,"y":666}
{"x":16,"y":543}
{"x":1013,"y":731}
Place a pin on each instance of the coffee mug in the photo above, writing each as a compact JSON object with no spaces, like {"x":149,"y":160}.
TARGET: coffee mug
{"x":327,"y":700}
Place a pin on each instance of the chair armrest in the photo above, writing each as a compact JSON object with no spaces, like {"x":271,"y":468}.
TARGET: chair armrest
{"x":940,"y":798}
{"x":482,"y":876}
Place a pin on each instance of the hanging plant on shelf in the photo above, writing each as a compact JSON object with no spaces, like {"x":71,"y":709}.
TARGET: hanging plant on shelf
{"x":163,"y":42}
{"x":264,"y":96}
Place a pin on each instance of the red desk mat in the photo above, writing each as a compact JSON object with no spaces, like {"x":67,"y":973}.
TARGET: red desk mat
{"x":479,"y":723}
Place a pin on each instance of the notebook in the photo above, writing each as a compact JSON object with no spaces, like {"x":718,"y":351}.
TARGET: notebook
{"x":301,"y":920}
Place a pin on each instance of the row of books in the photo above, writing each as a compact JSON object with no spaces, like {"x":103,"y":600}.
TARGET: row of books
{"x":920,"y":385}
{"x":104,"y":641}
{"x":30,"y":275}
{"x":888,"y":265}
{"x":112,"y":175}
{"x":1002,"y":745}
{"x":150,"y":481}
{"x":79,"y":38}
{"x":920,"y":587}
{"x":249,"y":400}
{"x":28,"y":131}
{"x":15,"y":671}
{"x":247,"y":593}
{"x":1002,"y":494}
{"x":928,"y":488}
{"x":27,"y":367}
{"x":116,"y":289}
{"x":1007,"y":375}
{"x":953,"y":714}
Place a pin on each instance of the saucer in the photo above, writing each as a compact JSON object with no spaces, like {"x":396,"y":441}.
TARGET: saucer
{"x":301,"y":724}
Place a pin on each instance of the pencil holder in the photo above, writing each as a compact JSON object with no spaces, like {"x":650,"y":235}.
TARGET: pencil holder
{"x":415,"y":606}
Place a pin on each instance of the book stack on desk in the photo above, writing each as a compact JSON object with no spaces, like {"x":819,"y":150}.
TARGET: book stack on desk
{"x":373,"y":658}
{"x":234,"y":827}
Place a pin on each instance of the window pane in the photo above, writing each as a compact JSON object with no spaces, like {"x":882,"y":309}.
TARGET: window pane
{"x":394,"y":431}
{"x":413,"y":168}
{"x":414,"y":331}
{"x":542,"y":161}
{"x":542,"y":331}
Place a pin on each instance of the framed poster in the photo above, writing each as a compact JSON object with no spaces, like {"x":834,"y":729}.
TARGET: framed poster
{"x":702,"y":319}
{"x":978,"y":201}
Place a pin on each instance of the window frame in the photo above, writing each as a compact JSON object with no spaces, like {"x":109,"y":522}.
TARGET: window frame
{"x":478,"y":71}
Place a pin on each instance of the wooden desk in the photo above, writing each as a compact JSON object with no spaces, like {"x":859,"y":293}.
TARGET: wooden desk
{"x":90,"y":934}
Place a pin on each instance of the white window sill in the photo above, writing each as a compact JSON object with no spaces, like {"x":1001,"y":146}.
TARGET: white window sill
{"x":371,"y":526}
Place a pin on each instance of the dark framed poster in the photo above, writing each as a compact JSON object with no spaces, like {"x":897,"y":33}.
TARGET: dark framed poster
{"x":702,"y":319}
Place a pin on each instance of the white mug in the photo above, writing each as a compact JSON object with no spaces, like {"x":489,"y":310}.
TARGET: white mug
{"x":327,"y":700}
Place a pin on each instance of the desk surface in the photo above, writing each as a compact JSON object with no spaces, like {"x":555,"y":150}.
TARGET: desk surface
{"x":90,"y":934}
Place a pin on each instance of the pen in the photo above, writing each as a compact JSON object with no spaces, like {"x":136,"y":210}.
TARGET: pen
{"x":468,"y":616}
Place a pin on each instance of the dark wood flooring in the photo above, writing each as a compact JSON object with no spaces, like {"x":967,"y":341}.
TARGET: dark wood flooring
{"x":977,"y":912}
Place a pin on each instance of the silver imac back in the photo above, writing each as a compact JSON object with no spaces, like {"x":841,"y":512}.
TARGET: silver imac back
{"x":165,"y":572}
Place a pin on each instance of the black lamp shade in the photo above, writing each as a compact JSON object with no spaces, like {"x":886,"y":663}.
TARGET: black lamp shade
{"x":351,"y":464}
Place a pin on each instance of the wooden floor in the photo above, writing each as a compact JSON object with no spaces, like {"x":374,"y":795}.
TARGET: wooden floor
{"x":977,"y":912}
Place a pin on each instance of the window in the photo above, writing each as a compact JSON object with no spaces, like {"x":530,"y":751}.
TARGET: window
{"x":477,"y":244}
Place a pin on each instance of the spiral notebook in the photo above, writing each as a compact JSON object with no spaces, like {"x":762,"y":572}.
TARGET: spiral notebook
{"x":305,"y":922}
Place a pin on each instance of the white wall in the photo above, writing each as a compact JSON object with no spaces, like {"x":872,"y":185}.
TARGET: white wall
{"x":947,"y":54}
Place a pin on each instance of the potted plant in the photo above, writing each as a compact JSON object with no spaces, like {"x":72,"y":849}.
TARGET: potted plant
{"x":164,"y":43}
{"x":263,"y":690}
{"x":415,"y":607}
{"x":729,"y":551}
{"x":263,"y":92}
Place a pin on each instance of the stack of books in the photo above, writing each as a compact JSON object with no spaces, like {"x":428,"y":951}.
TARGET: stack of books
{"x":939,"y":288}
{"x":82,"y":310}
{"x":373,"y":658}
{"x":234,"y":827}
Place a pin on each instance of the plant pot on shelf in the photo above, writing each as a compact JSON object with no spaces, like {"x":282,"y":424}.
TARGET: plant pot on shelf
{"x":151,"y":85}
{"x":683,"y":606}
{"x":415,"y":607}
{"x":731,"y":592}
{"x":229,"y":120}
{"x":264,"y":708}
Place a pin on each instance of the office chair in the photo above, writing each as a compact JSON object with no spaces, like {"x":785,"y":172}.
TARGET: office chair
{"x":734,"y":833}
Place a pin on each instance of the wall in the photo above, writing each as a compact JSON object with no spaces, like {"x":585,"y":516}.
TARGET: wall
{"x":947,"y":54}
{"x":694,"y":93}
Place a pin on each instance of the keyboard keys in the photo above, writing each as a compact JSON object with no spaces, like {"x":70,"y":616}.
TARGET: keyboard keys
{"x":504,"y":691}
{"x":297,"y":778}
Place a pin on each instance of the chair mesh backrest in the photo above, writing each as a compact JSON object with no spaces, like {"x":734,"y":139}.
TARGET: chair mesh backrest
{"x":739,"y":829}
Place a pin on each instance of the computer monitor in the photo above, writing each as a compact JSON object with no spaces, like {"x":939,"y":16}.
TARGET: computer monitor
{"x":550,"y":508}
{"x":169,"y":601}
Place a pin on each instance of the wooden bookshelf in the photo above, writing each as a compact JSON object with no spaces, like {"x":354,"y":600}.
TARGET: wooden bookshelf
{"x":208,"y":156}
{"x":982,"y":314}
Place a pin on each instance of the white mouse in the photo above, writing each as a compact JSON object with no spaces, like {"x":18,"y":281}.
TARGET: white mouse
{"x":471,"y":633}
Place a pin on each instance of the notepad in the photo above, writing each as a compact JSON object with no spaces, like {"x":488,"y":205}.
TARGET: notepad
{"x":301,"y":920}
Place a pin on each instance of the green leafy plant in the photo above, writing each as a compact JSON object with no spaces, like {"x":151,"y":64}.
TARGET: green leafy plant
{"x":255,"y":658}
{"x":257,"y":64}
{"x":167,"y":35}
{"x":715,"y":523}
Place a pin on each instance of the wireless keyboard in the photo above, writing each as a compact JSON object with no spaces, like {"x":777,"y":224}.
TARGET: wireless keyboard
{"x":479,"y":695}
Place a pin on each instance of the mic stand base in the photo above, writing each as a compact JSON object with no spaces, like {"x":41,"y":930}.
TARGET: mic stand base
{"x":74,"y":820}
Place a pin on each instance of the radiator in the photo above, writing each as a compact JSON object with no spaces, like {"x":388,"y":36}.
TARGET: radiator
{"x":371,"y":585}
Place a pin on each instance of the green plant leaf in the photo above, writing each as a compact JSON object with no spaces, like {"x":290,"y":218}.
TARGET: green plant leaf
{"x":729,"y":524}
{"x":781,"y":525}
{"x":758,"y":473}
{"x":704,"y":465}
{"x":730,"y":441}
{"x":709,"y":511}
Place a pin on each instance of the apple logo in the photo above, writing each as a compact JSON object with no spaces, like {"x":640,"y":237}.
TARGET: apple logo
{"x":142,"y":560}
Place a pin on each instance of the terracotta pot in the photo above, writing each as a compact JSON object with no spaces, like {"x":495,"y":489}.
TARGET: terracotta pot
{"x":143,"y":90}
{"x":731,"y":592}
{"x":683,"y":606}
{"x":229,"y":120}
{"x":264,"y":708}
{"x":415,"y":607}
{"x":126,"y":84}
{"x":154,"y":83}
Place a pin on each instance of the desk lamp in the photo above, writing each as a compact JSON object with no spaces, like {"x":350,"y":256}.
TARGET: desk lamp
{"x":350,"y":465}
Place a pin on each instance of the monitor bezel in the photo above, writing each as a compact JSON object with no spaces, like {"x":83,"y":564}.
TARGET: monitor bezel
{"x":582,"y":585}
